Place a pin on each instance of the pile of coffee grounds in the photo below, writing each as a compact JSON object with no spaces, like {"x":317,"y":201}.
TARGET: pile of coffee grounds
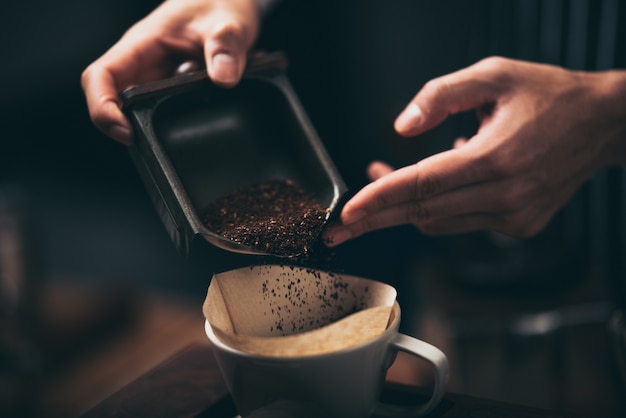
{"x":277,"y":217}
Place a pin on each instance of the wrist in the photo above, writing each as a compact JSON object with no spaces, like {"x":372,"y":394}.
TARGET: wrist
{"x":613,"y":115}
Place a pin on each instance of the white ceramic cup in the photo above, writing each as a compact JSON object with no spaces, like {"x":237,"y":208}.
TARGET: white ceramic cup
{"x":345,"y":383}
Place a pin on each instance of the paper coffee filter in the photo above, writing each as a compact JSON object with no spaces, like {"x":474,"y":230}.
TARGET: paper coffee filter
{"x":282,"y":311}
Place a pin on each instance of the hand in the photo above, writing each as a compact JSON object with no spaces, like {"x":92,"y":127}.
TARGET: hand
{"x":543,"y":132}
{"x":218,"y":32}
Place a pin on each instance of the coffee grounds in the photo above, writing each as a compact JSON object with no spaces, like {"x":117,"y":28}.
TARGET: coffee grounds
{"x":277,"y":217}
{"x":287,"y":296}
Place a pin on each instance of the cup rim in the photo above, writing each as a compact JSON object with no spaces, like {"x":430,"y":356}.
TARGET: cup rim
{"x":217,"y":343}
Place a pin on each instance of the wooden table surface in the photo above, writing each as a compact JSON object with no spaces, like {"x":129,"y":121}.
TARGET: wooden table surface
{"x":189,"y":384}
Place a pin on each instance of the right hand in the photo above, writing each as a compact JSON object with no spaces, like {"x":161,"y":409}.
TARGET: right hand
{"x":216,"y":32}
{"x":543,"y":132}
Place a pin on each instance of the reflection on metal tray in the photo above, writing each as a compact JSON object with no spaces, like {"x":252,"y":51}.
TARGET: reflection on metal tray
{"x":196,"y":142}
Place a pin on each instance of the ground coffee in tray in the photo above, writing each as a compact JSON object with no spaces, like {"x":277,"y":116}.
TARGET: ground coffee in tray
{"x":277,"y":217}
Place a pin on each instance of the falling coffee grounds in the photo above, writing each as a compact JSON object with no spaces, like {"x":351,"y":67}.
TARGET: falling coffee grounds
{"x":277,"y":217}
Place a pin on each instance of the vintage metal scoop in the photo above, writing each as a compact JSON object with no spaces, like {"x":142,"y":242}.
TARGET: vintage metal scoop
{"x":196,"y":141}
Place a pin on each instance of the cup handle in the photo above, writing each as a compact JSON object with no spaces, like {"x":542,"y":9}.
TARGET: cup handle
{"x":437,"y":360}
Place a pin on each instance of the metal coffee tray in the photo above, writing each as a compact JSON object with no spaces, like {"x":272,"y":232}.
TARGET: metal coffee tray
{"x":196,"y":142}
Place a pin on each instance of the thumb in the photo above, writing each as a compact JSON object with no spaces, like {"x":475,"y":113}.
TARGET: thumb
{"x":457,"y":92}
{"x":226,"y":68}
{"x":225,"y":53}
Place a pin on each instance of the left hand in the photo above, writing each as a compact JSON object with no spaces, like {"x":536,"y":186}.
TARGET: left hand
{"x":543,"y":132}
{"x":216,"y":32}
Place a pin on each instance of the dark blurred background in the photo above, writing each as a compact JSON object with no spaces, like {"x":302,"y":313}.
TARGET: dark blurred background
{"x":81,"y":245}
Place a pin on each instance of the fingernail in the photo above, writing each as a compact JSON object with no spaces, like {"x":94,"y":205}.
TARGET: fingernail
{"x":225,"y":68}
{"x":121,"y":133}
{"x":187,"y":67}
{"x":337,"y":236}
{"x":409,"y":118}
{"x":352,"y":217}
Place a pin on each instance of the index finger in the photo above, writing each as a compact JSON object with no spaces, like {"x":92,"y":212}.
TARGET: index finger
{"x":432,"y":176}
{"x":102,"y":97}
